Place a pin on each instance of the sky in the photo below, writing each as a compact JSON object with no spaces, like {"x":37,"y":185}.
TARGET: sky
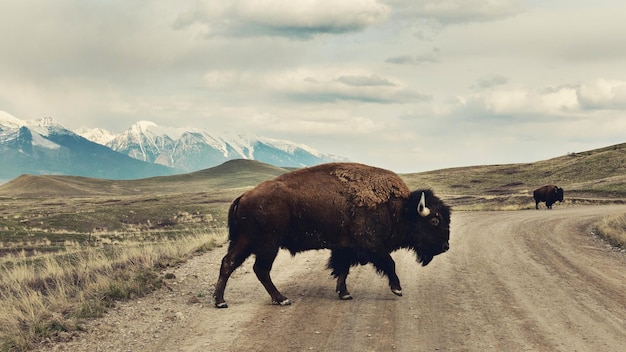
{"x":407,"y":85}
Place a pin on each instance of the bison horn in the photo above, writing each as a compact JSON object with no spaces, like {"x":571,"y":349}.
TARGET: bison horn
{"x":421,"y":207}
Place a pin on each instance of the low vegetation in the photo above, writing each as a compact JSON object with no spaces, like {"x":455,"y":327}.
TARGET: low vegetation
{"x":42,"y":296}
{"x":72,"y":246}
{"x":613,"y":230}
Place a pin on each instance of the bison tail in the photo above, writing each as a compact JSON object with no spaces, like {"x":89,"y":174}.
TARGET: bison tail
{"x":232,"y":219}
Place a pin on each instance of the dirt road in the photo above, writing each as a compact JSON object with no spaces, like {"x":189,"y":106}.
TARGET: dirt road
{"x":512,"y":281}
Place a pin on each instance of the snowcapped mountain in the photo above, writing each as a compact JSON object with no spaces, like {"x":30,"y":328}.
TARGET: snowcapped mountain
{"x":44,"y":146}
{"x":191,"y":149}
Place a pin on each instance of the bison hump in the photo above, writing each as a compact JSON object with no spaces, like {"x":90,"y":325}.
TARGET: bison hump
{"x":369,"y":186}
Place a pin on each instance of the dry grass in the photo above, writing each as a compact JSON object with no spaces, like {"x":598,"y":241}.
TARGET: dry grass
{"x":613,"y":229}
{"x":47,"y":295}
{"x":51,"y":280}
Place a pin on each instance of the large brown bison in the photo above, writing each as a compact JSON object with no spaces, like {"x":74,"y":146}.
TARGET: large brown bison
{"x":361,"y":213}
{"x":548,"y":194}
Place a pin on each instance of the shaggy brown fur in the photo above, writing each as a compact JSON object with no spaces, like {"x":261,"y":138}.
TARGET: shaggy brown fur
{"x":370,"y":186}
{"x":361,"y":213}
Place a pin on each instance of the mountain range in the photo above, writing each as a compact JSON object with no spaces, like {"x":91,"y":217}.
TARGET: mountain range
{"x":192,"y":149}
{"x":45,"y":146}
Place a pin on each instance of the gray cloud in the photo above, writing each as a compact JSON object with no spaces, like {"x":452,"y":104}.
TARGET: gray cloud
{"x":412,"y":60}
{"x":447,"y":12}
{"x":282,"y":19}
{"x":369,"y":73}
{"x":372,"y":80}
{"x":491,"y":81}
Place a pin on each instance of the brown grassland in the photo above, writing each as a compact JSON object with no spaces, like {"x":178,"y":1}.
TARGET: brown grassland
{"x":70,"y":247}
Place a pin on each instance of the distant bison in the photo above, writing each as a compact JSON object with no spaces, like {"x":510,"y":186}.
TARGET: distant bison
{"x":361,"y":213}
{"x":549,"y":194}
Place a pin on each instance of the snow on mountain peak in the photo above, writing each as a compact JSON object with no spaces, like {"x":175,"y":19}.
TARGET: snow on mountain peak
{"x":193,"y":149}
{"x":96,"y":135}
{"x":46,"y":122}
{"x":44,"y":126}
{"x":9,"y":120}
{"x":10,"y":126}
{"x":186,"y":149}
{"x":151,"y":128}
{"x":39,"y":140}
{"x":290,"y":147}
{"x":142,"y":126}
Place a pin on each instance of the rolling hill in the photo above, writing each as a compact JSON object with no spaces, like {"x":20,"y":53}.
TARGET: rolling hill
{"x":233,"y":174}
{"x":599,"y":173}
{"x":61,"y":207}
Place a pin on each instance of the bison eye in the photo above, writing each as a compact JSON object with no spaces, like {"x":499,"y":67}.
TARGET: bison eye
{"x":434,"y":221}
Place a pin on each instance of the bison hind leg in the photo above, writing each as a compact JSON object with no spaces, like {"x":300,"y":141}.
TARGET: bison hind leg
{"x":237,"y":254}
{"x":340,"y":262}
{"x":262,"y":266}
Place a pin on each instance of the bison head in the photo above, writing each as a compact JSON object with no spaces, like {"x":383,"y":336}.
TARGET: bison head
{"x":429,"y":219}
{"x":558,"y":194}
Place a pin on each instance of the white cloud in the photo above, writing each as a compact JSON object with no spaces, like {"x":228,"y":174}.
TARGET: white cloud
{"x":328,"y":15}
{"x":383,"y":78}
{"x":337,"y":123}
{"x":503,"y":101}
{"x":566,"y":100}
{"x":325,"y":85}
{"x":603,"y":94}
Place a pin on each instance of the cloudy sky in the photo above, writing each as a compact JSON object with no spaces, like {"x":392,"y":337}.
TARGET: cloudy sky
{"x":407,"y":85}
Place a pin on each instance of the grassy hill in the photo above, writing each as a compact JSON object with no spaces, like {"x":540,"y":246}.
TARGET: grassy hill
{"x":95,"y":241}
{"x":231,"y":174}
{"x":594,"y":176}
{"x":37,"y":211}
{"x":599,"y":173}
{"x":76,"y":207}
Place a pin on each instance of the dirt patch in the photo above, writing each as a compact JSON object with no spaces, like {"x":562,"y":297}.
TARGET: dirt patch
{"x":512,"y":281}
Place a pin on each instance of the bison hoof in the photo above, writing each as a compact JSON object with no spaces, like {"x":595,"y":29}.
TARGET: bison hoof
{"x":221,"y":305}
{"x":397,"y":292}
{"x":285,"y":302}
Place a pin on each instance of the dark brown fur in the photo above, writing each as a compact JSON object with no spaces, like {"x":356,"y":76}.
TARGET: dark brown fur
{"x":548,"y":194}
{"x":359,"y":212}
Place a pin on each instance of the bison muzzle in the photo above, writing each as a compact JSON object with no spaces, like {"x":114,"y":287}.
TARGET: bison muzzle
{"x":361,"y":213}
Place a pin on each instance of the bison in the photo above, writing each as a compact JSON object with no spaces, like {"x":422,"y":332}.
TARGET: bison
{"x":548,"y":194}
{"x":361,"y":213}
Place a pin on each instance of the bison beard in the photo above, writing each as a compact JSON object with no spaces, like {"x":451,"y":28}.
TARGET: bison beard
{"x":361,"y":213}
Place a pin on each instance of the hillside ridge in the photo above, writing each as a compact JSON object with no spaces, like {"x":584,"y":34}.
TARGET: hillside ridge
{"x":595,"y":173}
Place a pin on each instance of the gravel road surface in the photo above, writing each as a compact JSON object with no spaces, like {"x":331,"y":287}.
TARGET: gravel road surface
{"x":533,"y":280}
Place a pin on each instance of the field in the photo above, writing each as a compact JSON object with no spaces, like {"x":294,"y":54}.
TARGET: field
{"x":70,"y":247}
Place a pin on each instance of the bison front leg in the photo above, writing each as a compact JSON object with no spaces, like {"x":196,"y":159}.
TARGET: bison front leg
{"x":384,"y":264}
{"x":340,"y":261}
{"x":342,"y":289}
{"x":262,"y":268}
